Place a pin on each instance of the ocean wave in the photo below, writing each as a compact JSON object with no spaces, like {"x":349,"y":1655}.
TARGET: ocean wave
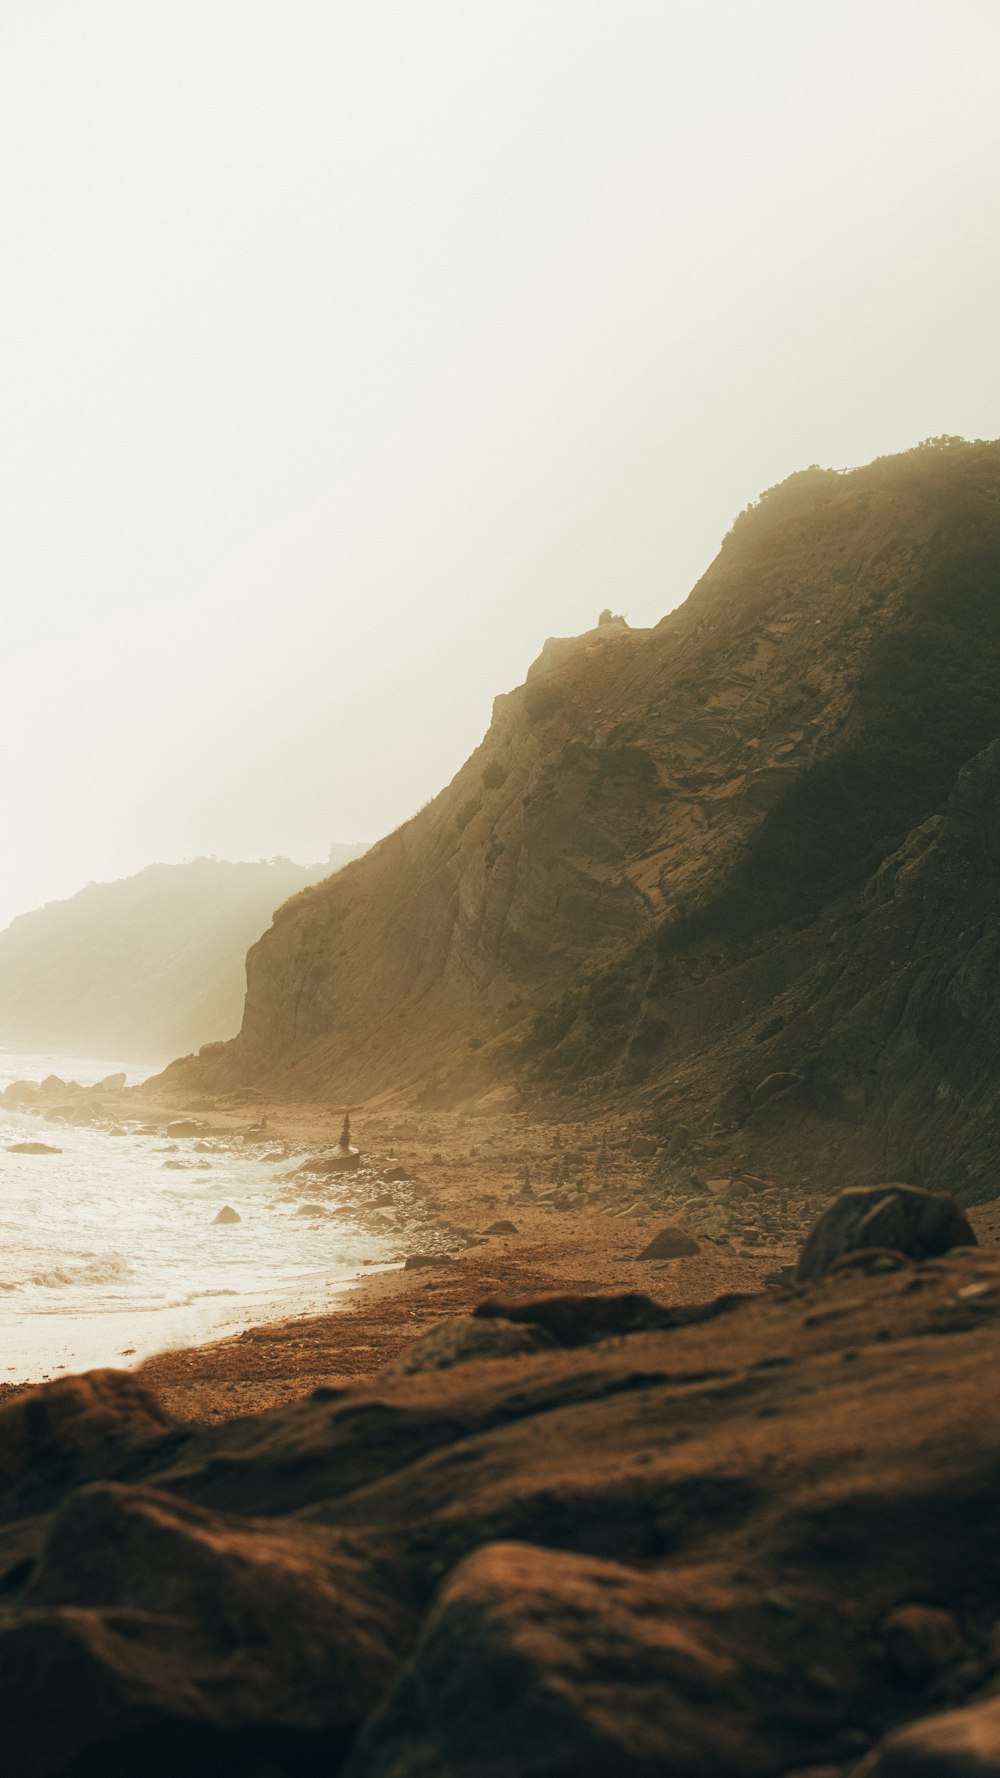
{"x":104,"y":1268}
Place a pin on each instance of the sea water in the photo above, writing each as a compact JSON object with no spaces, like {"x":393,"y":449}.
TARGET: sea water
{"x":107,"y":1255}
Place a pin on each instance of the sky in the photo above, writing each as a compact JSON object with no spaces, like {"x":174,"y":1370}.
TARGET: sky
{"x":349,"y":350}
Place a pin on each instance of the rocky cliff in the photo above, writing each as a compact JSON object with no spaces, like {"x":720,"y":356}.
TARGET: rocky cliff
{"x":755,"y":841}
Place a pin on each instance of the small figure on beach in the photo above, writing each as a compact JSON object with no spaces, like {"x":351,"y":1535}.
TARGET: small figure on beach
{"x":345,"y":1131}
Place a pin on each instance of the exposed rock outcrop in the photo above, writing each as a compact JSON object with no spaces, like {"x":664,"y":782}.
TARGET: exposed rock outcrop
{"x":752,"y":1541}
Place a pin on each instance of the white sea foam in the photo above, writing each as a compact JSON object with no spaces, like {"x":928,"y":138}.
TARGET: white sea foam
{"x":106,"y":1255}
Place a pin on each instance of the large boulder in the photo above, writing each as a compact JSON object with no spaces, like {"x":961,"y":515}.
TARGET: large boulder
{"x":20,"y":1092}
{"x":956,"y":1744}
{"x":153,"y":1625}
{"x":901,"y":1218}
{"x":54,"y":1088}
{"x":536,"y":1663}
{"x":71,"y":1429}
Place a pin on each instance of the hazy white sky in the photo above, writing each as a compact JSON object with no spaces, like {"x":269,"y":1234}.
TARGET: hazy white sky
{"x":348,"y":350}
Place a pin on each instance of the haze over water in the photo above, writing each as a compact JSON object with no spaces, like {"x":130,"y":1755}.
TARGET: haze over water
{"x":109,"y":1256}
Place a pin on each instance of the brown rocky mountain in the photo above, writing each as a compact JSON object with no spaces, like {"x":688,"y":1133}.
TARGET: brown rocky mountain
{"x":145,"y":966}
{"x":741,"y":867}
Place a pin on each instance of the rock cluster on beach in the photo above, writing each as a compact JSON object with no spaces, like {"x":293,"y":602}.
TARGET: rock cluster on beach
{"x":601,"y":1536}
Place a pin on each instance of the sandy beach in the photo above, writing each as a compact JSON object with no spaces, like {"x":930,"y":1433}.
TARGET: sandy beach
{"x":284,"y":1360}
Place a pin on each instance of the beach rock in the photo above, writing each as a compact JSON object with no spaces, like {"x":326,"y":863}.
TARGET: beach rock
{"x":957,"y":1744}
{"x":226,"y":1214}
{"x":465,"y":1339}
{"x":310,"y":1210}
{"x":501,"y":1228}
{"x":642,"y":1147}
{"x":417,"y":1261}
{"x":54,"y":1088}
{"x":536,"y":1663}
{"x":395,"y":1173}
{"x":32,"y":1148}
{"x":902,"y":1218}
{"x":70,"y":1429}
{"x":89,"y":1112}
{"x":111,"y":1083}
{"x":148,"y":1617}
{"x":20,"y":1092}
{"x":342,"y":1160}
{"x":577,"y":1320}
{"x":672,"y":1242}
{"x":186,"y":1126}
{"x":921,"y":1640}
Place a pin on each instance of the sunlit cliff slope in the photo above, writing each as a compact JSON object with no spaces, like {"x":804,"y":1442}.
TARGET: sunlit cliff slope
{"x":758,"y":839}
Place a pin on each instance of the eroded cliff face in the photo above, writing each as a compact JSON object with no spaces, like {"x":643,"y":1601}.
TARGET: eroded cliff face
{"x":528,"y":921}
{"x":865,"y":1045}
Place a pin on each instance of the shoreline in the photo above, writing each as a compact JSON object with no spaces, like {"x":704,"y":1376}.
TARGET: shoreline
{"x":584,"y":1201}
{"x":279,"y":1362}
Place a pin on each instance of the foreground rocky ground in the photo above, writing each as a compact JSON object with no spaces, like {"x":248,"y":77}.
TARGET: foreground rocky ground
{"x":590,"y":1538}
